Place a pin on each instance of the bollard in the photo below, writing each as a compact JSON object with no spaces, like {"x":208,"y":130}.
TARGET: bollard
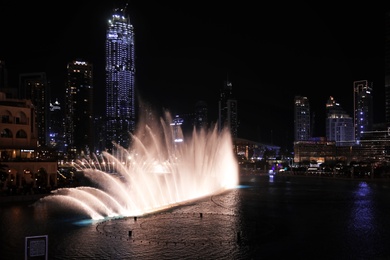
{"x":130,"y":233}
{"x":135,"y":218}
{"x":201,"y":215}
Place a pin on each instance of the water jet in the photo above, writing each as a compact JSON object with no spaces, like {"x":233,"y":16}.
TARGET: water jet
{"x":154,"y":173}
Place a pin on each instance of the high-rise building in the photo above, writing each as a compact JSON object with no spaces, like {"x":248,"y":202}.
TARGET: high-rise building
{"x":227,"y":109}
{"x":201,"y":112}
{"x":10,"y":92}
{"x":35,"y":87}
{"x":120,"y":71}
{"x":79,"y":120}
{"x":56,"y":127}
{"x":387,"y":68}
{"x":363,"y":108}
{"x":301,"y":119}
{"x":339,"y":125}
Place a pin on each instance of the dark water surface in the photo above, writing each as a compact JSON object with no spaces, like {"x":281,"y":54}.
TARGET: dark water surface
{"x":281,"y":217}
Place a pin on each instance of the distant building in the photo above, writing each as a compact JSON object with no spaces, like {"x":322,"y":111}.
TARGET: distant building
{"x":387,"y":68}
{"x":301,"y":119}
{"x":10,"y":92}
{"x":56,"y":127}
{"x":339,"y":125}
{"x":227,"y":110}
{"x":363,"y":108}
{"x":120,"y":72}
{"x":18,"y":146}
{"x":79,"y":120}
{"x":35,"y":87}
{"x":315,"y":151}
{"x":201,"y":115}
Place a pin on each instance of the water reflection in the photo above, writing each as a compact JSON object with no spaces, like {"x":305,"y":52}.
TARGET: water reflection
{"x":363,"y":226}
{"x":362,"y":216}
{"x":302,"y":218}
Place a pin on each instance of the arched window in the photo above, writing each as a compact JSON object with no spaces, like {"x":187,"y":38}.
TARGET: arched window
{"x":21,"y":134}
{"x":6,"y":133}
{"x":21,"y":118}
{"x":6,"y":117}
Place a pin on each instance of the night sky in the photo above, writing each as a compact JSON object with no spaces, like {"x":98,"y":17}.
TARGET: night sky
{"x":186,"y":50}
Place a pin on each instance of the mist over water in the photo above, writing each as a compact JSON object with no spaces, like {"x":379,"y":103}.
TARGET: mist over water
{"x":154,"y":173}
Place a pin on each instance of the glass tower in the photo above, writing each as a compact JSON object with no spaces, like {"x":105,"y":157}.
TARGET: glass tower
{"x":339,"y":125}
{"x":120,"y":70}
{"x":301,"y":119}
{"x":363,"y":108}
{"x":227,"y":109}
{"x":79,"y":108}
{"x":35,"y":86}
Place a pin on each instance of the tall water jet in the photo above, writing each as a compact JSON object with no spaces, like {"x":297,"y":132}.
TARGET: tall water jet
{"x":155,"y":172}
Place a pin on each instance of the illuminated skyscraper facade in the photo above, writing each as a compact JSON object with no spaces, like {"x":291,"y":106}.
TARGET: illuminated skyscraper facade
{"x":227,"y":109}
{"x":35,"y":86}
{"x":363,"y":108}
{"x":79,"y":108}
{"x":201,"y":113}
{"x":120,"y":71}
{"x":387,"y":68}
{"x":339,"y":125}
{"x":301,"y":119}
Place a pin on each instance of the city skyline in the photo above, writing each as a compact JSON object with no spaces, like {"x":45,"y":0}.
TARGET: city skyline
{"x":184,"y":54}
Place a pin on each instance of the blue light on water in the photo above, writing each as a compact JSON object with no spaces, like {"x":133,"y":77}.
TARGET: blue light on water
{"x":243,"y":186}
{"x":84,"y":222}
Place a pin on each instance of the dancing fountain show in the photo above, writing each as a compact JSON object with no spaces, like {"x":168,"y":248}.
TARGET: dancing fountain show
{"x":154,"y":173}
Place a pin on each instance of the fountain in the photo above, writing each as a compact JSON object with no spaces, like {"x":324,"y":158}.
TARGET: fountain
{"x":154,"y":173}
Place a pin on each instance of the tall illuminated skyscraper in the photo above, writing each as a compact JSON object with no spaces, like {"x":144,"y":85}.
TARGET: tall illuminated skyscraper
{"x":120,"y":71}
{"x":301,"y":119}
{"x":227,"y":109}
{"x":35,"y":86}
{"x":79,"y":117}
{"x":363,"y":108}
{"x":387,"y":68}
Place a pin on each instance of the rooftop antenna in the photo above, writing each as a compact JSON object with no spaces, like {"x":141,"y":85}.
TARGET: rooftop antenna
{"x":124,"y":9}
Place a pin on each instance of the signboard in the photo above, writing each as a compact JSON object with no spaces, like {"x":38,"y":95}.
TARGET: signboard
{"x":36,"y":248}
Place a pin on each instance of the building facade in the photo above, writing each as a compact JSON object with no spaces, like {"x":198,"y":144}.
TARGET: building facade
{"x":227,"y":109}
{"x":18,"y":148}
{"x":35,"y":87}
{"x":363,"y":108}
{"x":301,"y":119}
{"x":339,"y":125}
{"x":387,"y":68}
{"x":201,"y":115}
{"x":79,"y":109}
{"x":120,"y":80}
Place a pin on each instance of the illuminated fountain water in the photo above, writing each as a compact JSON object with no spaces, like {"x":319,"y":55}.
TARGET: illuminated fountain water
{"x":153,"y":173}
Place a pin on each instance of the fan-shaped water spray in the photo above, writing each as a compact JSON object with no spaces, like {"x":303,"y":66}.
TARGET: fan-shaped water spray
{"x":153,"y":173}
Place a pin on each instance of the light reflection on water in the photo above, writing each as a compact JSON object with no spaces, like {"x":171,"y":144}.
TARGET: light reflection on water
{"x":306,"y":218}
